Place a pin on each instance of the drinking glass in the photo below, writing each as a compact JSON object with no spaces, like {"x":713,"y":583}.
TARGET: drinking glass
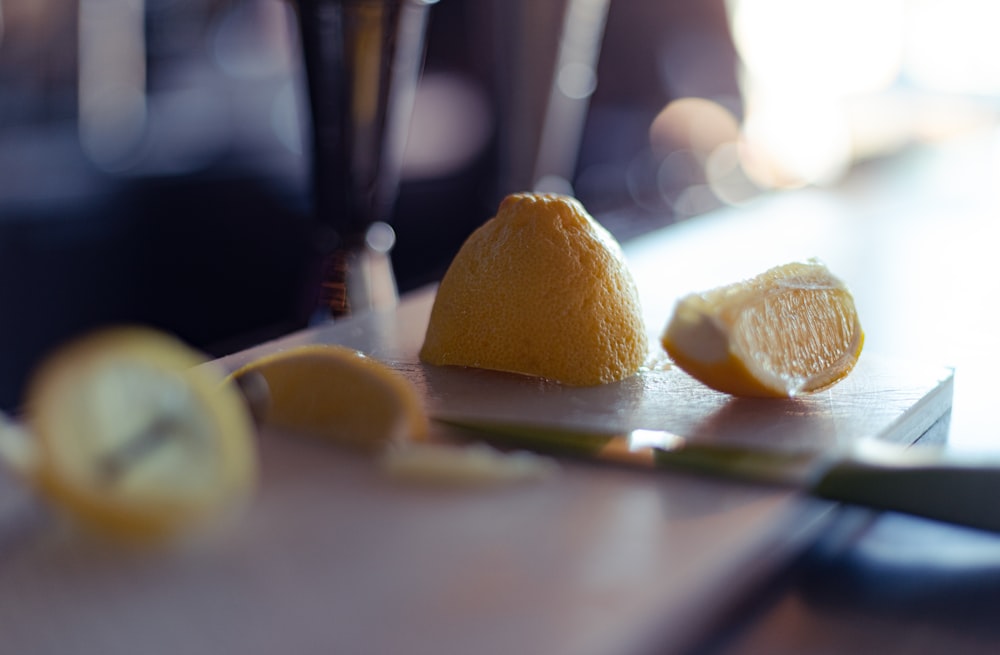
{"x":363,"y":59}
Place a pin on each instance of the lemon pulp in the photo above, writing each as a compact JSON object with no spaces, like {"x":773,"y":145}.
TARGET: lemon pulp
{"x":136,"y":436}
{"x":791,"y":330}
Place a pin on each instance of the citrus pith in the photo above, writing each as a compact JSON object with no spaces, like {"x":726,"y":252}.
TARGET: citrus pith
{"x":791,"y":330}
{"x":136,"y":436}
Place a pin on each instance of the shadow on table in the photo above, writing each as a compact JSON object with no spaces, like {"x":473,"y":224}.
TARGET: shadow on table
{"x":915,"y":570}
{"x":888,"y":583}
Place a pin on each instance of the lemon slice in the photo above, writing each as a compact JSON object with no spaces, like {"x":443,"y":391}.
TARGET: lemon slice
{"x":541,"y":289}
{"x":339,"y":393}
{"x":136,"y":436}
{"x":791,"y":330}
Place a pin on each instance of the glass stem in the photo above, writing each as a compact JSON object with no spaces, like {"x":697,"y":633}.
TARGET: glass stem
{"x":362,"y":59}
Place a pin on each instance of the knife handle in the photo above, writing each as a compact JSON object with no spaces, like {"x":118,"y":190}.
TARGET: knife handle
{"x":962,"y":493}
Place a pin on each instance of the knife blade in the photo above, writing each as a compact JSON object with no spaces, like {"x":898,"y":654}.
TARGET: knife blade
{"x":926,"y":481}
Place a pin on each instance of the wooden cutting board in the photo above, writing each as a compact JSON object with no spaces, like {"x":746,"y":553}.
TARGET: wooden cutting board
{"x":335,"y":557}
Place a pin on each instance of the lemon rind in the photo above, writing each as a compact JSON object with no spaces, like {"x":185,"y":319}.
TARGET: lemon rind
{"x":139,"y":518}
{"x":699,"y":341}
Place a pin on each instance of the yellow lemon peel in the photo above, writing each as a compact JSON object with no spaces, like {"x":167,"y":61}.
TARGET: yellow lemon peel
{"x":791,"y":330}
{"x":134,"y":435}
{"x":339,"y":393}
{"x":541,"y":289}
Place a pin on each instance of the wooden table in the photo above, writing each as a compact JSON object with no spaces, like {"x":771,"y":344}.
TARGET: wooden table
{"x":891,"y":583}
{"x":336,"y":557}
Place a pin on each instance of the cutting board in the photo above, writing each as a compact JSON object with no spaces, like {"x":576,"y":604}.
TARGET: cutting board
{"x":336,"y":557}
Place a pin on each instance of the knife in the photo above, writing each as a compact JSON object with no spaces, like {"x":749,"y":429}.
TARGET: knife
{"x":926,"y":481}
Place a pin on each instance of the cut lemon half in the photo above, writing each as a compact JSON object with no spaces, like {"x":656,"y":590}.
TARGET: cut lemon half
{"x":791,"y":330}
{"x":339,"y":393}
{"x":135,"y":435}
{"x":541,"y":289}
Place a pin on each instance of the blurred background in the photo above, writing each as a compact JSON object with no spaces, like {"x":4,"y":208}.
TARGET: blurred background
{"x":153,"y":165}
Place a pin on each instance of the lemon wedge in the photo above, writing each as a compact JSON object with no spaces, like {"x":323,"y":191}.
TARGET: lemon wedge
{"x":791,"y":330}
{"x":339,"y":393}
{"x":134,"y":434}
{"x":541,"y":289}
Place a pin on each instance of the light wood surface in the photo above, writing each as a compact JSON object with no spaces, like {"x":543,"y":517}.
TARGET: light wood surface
{"x":334,"y":556}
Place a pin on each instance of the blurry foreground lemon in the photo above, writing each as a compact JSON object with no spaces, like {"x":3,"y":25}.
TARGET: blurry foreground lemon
{"x":339,"y":393}
{"x":791,"y":330}
{"x":136,"y":436}
{"x":541,"y":289}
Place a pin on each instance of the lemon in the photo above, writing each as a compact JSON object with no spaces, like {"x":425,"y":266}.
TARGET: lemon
{"x":541,"y":289}
{"x":791,"y":330}
{"x":339,"y":393}
{"x":135,"y":436}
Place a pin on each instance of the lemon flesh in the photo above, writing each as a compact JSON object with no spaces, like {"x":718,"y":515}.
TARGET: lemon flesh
{"x":541,"y":289}
{"x":791,"y":330}
{"x":339,"y":393}
{"x":136,"y":436}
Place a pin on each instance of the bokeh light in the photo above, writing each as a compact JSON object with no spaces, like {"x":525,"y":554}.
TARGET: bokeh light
{"x":112,"y":81}
{"x":830,"y":47}
{"x":952,"y":46}
{"x":826,"y":84}
{"x":451,"y":124}
{"x":793,"y":140}
{"x":802,"y":64}
{"x":696,"y":124}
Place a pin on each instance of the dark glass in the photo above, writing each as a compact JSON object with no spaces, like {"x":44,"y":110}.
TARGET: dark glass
{"x":362,"y":60}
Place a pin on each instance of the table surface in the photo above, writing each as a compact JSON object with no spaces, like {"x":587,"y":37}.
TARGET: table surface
{"x":920,"y":270}
{"x":593,"y":560}
{"x":906,"y":239}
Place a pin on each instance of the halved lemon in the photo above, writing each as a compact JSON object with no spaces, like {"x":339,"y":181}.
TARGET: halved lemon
{"x":791,"y":330}
{"x":339,"y":393}
{"x":135,"y":435}
{"x":541,"y":289}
